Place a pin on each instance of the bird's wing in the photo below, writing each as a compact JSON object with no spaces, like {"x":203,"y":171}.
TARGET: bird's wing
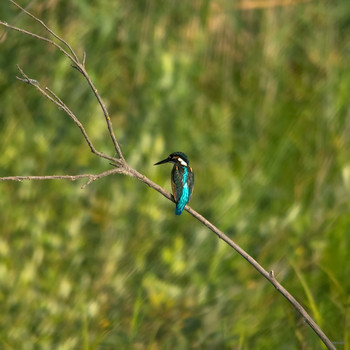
{"x":177,"y":182}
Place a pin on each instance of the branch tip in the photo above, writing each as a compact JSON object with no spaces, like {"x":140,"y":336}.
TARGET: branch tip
{"x":84,"y":58}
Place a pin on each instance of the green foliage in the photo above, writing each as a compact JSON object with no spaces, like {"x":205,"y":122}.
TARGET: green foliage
{"x":259,"y":100}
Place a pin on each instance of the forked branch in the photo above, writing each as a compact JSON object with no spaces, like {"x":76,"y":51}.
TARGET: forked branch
{"x":73,"y":57}
{"x":122,"y":167}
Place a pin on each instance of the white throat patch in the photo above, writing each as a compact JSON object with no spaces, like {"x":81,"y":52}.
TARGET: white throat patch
{"x":182,"y":162}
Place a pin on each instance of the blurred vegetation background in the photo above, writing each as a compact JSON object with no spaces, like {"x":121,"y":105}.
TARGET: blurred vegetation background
{"x":256,"y":96}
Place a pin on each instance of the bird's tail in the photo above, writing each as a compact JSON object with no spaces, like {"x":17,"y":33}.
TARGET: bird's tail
{"x":179,"y":208}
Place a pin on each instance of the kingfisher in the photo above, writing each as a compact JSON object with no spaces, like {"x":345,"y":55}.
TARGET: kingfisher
{"x":182,"y":179}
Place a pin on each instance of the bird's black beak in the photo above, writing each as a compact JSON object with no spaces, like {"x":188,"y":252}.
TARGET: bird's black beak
{"x":167,"y":160}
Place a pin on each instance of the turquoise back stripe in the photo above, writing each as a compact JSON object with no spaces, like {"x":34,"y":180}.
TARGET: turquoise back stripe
{"x":185,"y":196}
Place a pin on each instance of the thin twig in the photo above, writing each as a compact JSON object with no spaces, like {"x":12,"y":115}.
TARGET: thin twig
{"x":104,"y":109}
{"x":58,"y":102}
{"x":76,"y":64}
{"x":37,"y":37}
{"x":92,"y":177}
{"x":48,"y":29}
{"x":47,"y":177}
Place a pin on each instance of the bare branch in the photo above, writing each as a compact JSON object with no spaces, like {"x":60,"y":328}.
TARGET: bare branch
{"x":76,"y":64}
{"x":59,"y":103}
{"x":123,"y":168}
{"x":91,"y":177}
{"x":46,"y":177}
{"x":269,"y":276}
{"x":48,"y":29}
{"x":119,"y":170}
{"x":104,"y":109}
{"x":38,"y":37}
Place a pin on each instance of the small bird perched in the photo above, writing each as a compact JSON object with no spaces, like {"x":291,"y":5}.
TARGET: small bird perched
{"x":182,"y":179}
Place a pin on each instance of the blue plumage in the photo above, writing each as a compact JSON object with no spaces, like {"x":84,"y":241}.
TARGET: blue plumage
{"x":182,"y":179}
{"x":185,"y":194}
